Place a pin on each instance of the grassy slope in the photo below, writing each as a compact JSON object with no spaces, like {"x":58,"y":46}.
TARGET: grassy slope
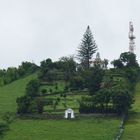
{"x":89,"y":129}
{"x":9,"y":94}
{"x":132,"y":127}
{"x":83,"y":129}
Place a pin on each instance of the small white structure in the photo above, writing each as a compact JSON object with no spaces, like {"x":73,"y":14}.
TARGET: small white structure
{"x":69,"y":113}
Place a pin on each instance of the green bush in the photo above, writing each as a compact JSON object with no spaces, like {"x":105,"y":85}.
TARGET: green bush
{"x":43,"y":91}
{"x":24,"y":103}
{"x":3,"y":127}
{"x":8,"y":117}
{"x":77,"y":82}
{"x":32,"y":88}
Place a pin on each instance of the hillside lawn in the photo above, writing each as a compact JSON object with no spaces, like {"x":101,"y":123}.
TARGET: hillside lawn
{"x":10,"y":92}
{"x":132,"y":127}
{"x":101,"y":128}
{"x":82,"y":129}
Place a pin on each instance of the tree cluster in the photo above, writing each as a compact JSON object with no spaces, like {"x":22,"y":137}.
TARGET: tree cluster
{"x":112,"y":90}
{"x":12,"y":73}
{"x":108,"y":101}
{"x":59,"y":70}
{"x":31,"y":102}
{"x":126,"y":60}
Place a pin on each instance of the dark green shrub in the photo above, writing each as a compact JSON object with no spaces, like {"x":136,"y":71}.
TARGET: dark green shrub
{"x":77,"y":82}
{"x":43,"y":91}
{"x":24,"y":103}
{"x":3,"y":127}
{"x":8,"y":117}
{"x":32,"y":88}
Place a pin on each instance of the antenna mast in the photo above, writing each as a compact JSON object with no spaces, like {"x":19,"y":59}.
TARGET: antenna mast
{"x":131,"y":38}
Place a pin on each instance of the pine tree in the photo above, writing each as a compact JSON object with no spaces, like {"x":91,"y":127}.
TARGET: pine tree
{"x":87,"y":48}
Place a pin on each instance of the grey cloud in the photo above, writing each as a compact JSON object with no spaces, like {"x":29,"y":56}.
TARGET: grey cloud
{"x":38,"y":29}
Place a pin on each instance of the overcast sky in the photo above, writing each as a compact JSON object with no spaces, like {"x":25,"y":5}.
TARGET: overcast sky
{"x":33,"y":30}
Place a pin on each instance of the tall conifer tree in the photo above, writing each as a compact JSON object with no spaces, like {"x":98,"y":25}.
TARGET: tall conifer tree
{"x":87,"y":48}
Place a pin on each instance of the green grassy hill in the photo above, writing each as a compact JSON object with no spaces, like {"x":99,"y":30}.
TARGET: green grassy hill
{"x":95,"y":128}
{"x":81,"y":129}
{"x":132,"y":127}
{"x":10,"y":92}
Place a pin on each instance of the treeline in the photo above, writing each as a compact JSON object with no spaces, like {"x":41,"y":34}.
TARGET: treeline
{"x":63,"y":69}
{"x":12,"y":73}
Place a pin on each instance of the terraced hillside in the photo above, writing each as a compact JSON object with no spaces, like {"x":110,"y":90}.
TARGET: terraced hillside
{"x":90,"y":128}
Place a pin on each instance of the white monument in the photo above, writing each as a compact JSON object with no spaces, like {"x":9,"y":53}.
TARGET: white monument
{"x":69,"y":113}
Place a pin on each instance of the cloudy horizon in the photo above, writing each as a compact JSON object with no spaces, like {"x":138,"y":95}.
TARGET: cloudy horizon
{"x":34,"y":30}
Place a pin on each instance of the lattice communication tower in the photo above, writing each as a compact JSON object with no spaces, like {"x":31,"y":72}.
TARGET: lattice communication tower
{"x":131,"y":38}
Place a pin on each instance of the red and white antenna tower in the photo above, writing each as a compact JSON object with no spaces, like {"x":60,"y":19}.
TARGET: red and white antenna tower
{"x":131,"y":38}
